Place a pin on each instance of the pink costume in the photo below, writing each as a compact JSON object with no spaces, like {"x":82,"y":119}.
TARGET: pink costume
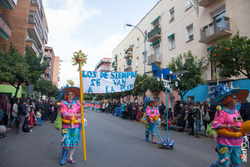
{"x":72,"y":107}
{"x":227,"y":117}
{"x":152,"y":112}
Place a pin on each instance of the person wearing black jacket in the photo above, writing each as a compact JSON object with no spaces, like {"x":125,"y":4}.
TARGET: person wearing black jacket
{"x":211,"y":111}
{"x":245,"y":110}
{"x":190,"y":118}
{"x":22,"y":112}
{"x":197,"y":118}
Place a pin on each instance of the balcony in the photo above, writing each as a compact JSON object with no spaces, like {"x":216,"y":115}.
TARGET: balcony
{"x":129,"y":62}
{"x":154,"y":35}
{"x":204,"y":3}
{"x":7,"y":4}
{"x":114,"y":64}
{"x":32,"y":44}
{"x":216,"y":30}
{"x":127,"y":69}
{"x":5,"y":29}
{"x":34,"y":28}
{"x":104,"y":69}
{"x":154,"y":58}
{"x":128,"y":54}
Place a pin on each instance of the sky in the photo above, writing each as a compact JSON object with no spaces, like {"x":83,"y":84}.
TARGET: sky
{"x":94,"y":26}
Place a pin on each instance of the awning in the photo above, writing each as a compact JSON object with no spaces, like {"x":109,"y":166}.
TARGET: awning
{"x":155,"y":20}
{"x":170,"y":36}
{"x":3,"y":34}
{"x":157,"y":41}
{"x":210,"y":48}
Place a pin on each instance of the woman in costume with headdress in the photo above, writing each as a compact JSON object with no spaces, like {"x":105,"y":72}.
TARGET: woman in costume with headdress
{"x":71,"y":115}
{"x":228,"y":124}
{"x":152,"y":115}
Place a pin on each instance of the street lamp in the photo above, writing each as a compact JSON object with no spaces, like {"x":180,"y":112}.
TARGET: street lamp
{"x":144,"y":52}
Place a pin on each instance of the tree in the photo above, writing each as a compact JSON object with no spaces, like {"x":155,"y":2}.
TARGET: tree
{"x":46,"y":87}
{"x":35,"y":67}
{"x":156,"y":86}
{"x":189,"y":80}
{"x":232,"y":56}
{"x":14,"y":69}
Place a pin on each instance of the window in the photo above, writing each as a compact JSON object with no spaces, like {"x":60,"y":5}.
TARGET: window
{"x":171,"y":15}
{"x":188,"y":4}
{"x":137,"y":61}
{"x":171,"y":40}
{"x":137,"y":42}
{"x":190,"y":33}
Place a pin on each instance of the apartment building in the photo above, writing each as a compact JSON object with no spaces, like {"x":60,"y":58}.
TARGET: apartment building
{"x":26,"y":27}
{"x":174,"y":27}
{"x":29,"y":26}
{"x":52,"y":72}
{"x":104,"y":65}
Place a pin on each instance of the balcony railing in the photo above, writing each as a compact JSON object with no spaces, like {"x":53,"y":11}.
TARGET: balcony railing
{"x":204,"y":3}
{"x":154,"y":35}
{"x":5,"y":26}
{"x":154,"y":58}
{"x":114,"y":64}
{"x":127,"y":69}
{"x":215,"y":30}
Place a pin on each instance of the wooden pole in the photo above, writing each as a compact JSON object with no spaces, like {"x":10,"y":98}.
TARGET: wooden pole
{"x":82,"y":112}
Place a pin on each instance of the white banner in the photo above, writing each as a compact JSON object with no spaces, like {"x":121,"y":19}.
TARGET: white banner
{"x":107,"y":82}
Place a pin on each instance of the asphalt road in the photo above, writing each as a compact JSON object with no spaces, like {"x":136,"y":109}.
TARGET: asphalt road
{"x":110,"y":142}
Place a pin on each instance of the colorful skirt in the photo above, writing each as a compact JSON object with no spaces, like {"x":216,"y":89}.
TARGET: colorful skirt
{"x":70,"y":137}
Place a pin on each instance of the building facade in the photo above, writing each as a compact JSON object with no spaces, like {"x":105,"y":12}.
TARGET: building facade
{"x":29,"y":26}
{"x":104,"y":65}
{"x":27,"y":30}
{"x":173,"y":28}
{"x":52,"y":72}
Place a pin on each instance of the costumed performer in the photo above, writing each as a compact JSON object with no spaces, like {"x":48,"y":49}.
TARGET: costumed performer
{"x":228,"y":119}
{"x":70,"y":110}
{"x":152,"y":115}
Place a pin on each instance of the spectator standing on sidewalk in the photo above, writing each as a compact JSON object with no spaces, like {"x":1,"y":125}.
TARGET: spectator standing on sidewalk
{"x":190,"y":118}
{"x":197,"y":118}
{"x":3,"y":104}
{"x":22,"y":112}
{"x":161,"y":108}
{"x":205,"y":114}
{"x":15,"y":112}
{"x":123,"y":110}
{"x":212,"y":111}
{"x":245,"y":110}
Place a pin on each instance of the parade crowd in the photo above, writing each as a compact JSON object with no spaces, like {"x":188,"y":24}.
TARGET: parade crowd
{"x":25,"y":113}
{"x":184,"y":116}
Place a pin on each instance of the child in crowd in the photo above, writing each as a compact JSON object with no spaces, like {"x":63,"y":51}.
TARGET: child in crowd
{"x":38,"y":117}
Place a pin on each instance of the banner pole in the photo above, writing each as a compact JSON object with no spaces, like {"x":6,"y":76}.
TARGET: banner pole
{"x":82,"y":113}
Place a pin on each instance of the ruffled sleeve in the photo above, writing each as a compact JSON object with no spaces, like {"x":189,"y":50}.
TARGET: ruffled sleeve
{"x":219,"y":120}
{"x":64,"y":109}
{"x":148,"y":111}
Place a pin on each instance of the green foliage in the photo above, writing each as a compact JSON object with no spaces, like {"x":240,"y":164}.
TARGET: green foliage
{"x":232,"y":57}
{"x":156,"y":86}
{"x":188,"y":81}
{"x":46,"y":88}
{"x":35,"y":68}
{"x":141,"y":85}
{"x":14,"y":69}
